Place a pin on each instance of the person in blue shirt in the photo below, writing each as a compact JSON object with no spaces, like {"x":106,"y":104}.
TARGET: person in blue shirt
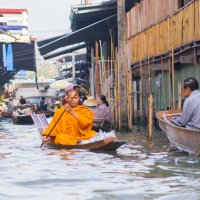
{"x":190,"y":117}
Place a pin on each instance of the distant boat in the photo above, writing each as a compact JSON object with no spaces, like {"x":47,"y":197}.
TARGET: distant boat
{"x":22,"y":119}
{"x":182,"y":138}
{"x":6,"y":114}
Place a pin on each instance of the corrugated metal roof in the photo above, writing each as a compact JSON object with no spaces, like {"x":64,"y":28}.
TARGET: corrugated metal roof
{"x":64,"y":51}
{"x":82,"y":16}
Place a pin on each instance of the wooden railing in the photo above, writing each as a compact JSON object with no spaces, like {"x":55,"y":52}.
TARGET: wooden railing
{"x":181,"y":28}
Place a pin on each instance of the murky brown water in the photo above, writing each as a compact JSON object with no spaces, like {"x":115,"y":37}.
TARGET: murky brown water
{"x":138,"y":170}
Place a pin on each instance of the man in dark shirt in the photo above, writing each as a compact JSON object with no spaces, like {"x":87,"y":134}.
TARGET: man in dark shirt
{"x":42,"y":106}
{"x":22,"y":101}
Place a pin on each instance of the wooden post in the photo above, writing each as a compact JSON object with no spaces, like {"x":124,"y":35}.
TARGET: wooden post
{"x":150,"y":92}
{"x":116,"y":91}
{"x":97,"y":86}
{"x":163,"y":86}
{"x":130,"y":100}
{"x":122,"y":61}
{"x":150,"y":101}
{"x":179,"y":95}
{"x":173,"y":74}
{"x":92,"y":72}
{"x":73,"y":67}
{"x":141,"y":94}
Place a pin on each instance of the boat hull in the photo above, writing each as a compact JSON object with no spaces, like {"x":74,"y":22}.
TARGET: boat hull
{"x":6,"y":114}
{"x":108,"y":144}
{"x":24,"y":119}
{"x":182,"y":138}
{"x":47,"y":113}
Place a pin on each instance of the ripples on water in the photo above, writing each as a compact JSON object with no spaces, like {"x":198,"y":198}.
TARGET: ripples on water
{"x":138,"y":170}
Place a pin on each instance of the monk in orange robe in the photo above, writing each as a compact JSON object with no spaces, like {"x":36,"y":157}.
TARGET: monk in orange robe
{"x":75,"y":124}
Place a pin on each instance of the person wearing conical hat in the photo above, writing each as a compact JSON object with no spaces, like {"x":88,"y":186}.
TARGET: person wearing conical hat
{"x":91,"y":103}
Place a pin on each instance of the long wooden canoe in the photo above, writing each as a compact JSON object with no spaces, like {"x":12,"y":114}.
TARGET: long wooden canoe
{"x":22,"y":119}
{"x":182,"y":138}
{"x":162,"y":122}
{"x":27,"y":119}
{"x":107,"y":144}
{"x":47,"y":113}
{"x":6,"y":114}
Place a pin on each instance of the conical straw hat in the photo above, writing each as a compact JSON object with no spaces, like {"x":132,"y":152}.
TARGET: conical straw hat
{"x":90,"y":102}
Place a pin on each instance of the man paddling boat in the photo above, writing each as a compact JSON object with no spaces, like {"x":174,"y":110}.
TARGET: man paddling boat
{"x":75,"y":123}
{"x":190,"y":117}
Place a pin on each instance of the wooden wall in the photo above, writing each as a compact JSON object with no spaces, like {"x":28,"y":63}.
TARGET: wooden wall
{"x":147,"y":13}
{"x":173,"y":32}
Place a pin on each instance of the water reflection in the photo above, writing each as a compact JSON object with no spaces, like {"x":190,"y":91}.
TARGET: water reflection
{"x":138,"y":170}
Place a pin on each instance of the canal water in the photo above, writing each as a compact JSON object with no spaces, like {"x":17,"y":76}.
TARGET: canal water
{"x":138,"y":170}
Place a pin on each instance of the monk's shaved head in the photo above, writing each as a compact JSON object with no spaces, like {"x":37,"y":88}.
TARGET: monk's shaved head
{"x":72,"y":91}
{"x":72,"y":98}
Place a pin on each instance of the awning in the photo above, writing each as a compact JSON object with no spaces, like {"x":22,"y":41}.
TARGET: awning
{"x":64,"y":51}
{"x":23,"y":57}
{"x":95,"y":31}
{"x":84,"y":15}
{"x":6,"y":76}
{"x":68,"y":58}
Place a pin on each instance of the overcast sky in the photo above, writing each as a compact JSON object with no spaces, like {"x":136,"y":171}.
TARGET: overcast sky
{"x":46,"y":17}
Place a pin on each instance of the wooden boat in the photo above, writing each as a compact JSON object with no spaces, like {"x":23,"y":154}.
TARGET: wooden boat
{"x":182,"y":138}
{"x":47,"y":113}
{"x":160,"y":114}
{"x":22,"y":119}
{"x":108,"y":144}
{"x":6,"y":114}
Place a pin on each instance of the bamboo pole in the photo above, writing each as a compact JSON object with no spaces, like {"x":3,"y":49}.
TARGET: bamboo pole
{"x":173,"y":75}
{"x":118,"y":84}
{"x":127,"y":82}
{"x":169,"y":67}
{"x":104,"y":77}
{"x":116,"y":93}
{"x":163,"y":86}
{"x":131,"y":102}
{"x":141,"y":94}
{"x":109,"y":79}
{"x":150,"y":96}
{"x":112,"y":93}
{"x":129,"y":88}
{"x":102,"y":69}
{"x":150,"y":101}
{"x":169,"y":83}
{"x":97,"y":86}
{"x":100,"y":76}
{"x":179,"y":95}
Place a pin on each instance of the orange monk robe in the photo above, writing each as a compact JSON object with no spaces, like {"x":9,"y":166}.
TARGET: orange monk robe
{"x":69,"y":129}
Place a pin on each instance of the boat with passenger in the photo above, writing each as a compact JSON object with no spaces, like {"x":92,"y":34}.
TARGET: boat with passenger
{"x":101,"y":142}
{"x":180,"y":137}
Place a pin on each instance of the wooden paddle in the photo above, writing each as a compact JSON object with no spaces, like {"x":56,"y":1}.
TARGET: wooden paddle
{"x":61,"y":115}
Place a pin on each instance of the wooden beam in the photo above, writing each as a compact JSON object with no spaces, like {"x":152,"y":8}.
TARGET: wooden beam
{"x":123,"y":121}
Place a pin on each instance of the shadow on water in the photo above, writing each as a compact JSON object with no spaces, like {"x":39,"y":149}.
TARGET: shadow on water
{"x":137,"y":170}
